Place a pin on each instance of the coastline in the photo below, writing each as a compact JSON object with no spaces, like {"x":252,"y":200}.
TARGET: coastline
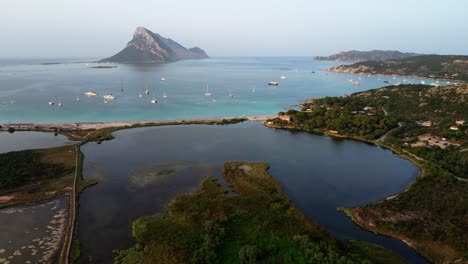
{"x":394,"y":75}
{"x":99,"y":131}
{"x":101,"y":125}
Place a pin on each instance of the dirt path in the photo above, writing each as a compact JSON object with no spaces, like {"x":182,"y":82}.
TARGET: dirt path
{"x":71,"y":217}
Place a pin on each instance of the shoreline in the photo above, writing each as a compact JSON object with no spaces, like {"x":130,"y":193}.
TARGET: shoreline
{"x":399,"y":75}
{"x":119,"y":124}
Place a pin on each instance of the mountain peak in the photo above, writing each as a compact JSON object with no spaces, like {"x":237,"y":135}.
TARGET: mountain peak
{"x":147,"y":47}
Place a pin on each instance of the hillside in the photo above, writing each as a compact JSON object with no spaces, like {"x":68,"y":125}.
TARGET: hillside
{"x":148,"y":47}
{"x":428,"y":66}
{"x":373,"y":55}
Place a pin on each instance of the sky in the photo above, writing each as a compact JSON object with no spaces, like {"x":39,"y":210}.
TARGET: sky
{"x":101,"y":28}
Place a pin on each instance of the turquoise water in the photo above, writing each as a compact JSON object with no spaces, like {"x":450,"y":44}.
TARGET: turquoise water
{"x":26,"y":87}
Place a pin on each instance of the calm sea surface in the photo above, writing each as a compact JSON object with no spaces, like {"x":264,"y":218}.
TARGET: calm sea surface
{"x":26,"y":88}
{"x":318,"y":173}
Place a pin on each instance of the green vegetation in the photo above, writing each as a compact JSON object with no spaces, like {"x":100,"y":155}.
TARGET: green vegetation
{"x":31,"y":167}
{"x":36,"y":175}
{"x":431,"y":214}
{"x":75,"y":251}
{"x":258,"y":225}
{"x":429,"y":66}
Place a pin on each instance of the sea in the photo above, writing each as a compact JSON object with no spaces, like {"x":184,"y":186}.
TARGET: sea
{"x":238,"y":87}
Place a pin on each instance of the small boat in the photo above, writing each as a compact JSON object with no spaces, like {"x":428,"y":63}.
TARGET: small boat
{"x":140,"y":95}
{"x":77,"y":98}
{"x":356,"y":83}
{"x":90,"y":93}
{"x":153,"y":101}
{"x":51,"y":103}
{"x":208,"y":93}
{"x":108,"y":97}
{"x":273,"y":83}
{"x":147,"y":89}
{"x":163,"y":79}
{"x":386,"y":81}
{"x":230,"y":94}
{"x":164,"y":95}
{"x":283,"y":77}
{"x":253,"y":90}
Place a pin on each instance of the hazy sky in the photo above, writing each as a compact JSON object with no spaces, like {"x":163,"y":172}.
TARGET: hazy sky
{"x":100,"y":28}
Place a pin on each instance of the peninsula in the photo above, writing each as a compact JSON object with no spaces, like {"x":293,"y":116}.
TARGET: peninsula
{"x":259,"y":224}
{"x":149,"y":47}
{"x":373,"y":55}
{"x":428,"y":66}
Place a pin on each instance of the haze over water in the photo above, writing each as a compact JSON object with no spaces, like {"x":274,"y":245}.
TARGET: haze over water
{"x":27,"y":88}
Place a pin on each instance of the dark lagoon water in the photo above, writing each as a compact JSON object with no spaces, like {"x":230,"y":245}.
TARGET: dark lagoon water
{"x":143,"y":169}
{"x":22,"y":140}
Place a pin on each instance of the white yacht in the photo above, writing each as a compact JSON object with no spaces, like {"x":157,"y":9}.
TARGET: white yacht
{"x":164,"y":95}
{"x":108,"y":97}
{"x":273,"y":83}
{"x":283,"y":77}
{"x":90,"y":93}
{"x":147,"y":89}
{"x":59,"y":103}
{"x":356,"y":83}
{"x":153,"y":101}
{"x":51,"y":103}
{"x":163,"y":79}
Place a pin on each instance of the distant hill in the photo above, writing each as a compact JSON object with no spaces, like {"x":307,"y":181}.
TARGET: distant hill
{"x":147,"y":47}
{"x":373,"y":55}
{"x":429,"y":66}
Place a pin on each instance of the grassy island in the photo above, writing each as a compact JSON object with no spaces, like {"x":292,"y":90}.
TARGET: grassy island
{"x":425,"y":124}
{"x":257,"y":224}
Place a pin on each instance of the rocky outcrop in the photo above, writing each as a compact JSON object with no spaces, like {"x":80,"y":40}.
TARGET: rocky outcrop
{"x":148,"y":47}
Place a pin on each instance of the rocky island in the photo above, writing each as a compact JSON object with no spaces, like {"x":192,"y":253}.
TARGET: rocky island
{"x":149,"y":47}
{"x":373,"y":55}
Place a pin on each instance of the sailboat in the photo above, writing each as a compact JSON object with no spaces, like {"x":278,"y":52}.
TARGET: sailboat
{"x":164,"y":95}
{"x":147,"y":89}
{"x":253,"y":90}
{"x":207,"y":93}
{"x":230,"y":94}
{"x":153,"y":101}
{"x":59,"y":102}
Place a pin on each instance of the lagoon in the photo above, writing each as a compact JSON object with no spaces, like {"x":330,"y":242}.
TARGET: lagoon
{"x":141,"y":170}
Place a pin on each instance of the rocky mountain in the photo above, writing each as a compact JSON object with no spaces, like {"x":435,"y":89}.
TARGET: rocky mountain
{"x":429,"y":66}
{"x":373,"y":55}
{"x":147,"y":47}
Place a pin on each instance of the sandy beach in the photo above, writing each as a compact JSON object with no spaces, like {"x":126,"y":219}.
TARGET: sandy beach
{"x":101,"y":125}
